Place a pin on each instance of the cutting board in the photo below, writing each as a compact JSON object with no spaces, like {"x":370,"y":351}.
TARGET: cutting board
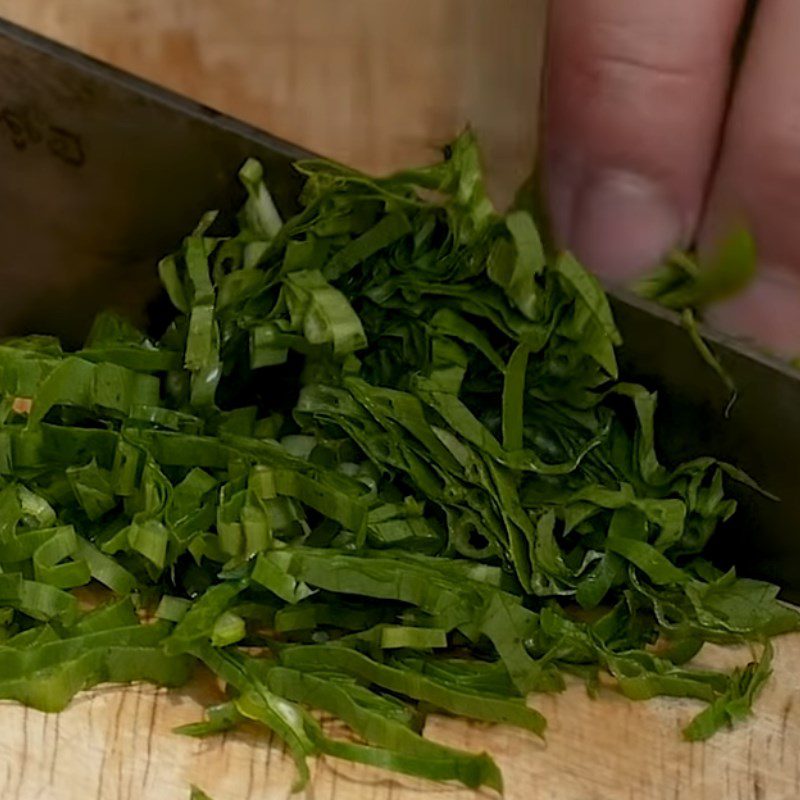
{"x":117,"y":744}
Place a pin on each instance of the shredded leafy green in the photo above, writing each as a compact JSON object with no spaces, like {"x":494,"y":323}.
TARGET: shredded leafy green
{"x":686,"y":281}
{"x":378,"y":464}
{"x":689,"y":284}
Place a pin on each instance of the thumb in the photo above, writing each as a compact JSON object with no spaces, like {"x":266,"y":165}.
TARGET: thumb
{"x":635,"y":95}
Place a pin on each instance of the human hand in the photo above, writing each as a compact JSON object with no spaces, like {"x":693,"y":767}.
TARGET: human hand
{"x":651,"y":144}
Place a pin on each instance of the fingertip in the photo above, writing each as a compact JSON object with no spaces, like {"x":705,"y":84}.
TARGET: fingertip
{"x":634,"y":102}
{"x":766,"y":312}
{"x":621,"y":224}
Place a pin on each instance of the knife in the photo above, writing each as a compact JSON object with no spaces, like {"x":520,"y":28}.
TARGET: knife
{"x":102,"y":173}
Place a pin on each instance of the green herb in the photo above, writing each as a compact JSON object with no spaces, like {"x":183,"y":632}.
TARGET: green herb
{"x":686,"y":281}
{"x":374,"y":466}
{"x":689,"y":284}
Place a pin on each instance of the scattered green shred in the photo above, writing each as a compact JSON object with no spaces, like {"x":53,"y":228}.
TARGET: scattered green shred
{"x":688,"y":281}
{"x":378,"y":464}
{"x":690,"y":284}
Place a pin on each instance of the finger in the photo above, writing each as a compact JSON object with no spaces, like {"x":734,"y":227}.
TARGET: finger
{"x":758,"y":180}
{"x":635,"y":95}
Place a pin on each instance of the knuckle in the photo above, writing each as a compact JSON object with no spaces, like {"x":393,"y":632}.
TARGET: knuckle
{"x":622,"y":75}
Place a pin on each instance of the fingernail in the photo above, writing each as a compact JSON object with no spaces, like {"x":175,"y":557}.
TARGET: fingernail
{"x":619,"y":224}
{"x":766,"y":312}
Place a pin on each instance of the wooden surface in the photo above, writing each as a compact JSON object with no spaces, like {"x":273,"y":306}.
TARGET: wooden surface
{"x":116,"y":744}
{"x":379,"y":84}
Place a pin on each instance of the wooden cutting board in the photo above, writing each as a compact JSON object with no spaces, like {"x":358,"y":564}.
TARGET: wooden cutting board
{"x":117,"y":744}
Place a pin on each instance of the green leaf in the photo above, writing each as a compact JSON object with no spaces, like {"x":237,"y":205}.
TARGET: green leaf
{"x":465,"y":702}
{"x":392,"y":743}
{"x":513,"y":398}
{"x":407,"y":636}
{"x":695,"y":283}
{"x":322,"y":313}
{"x":735,"y":704}
{"x":259,"y":212}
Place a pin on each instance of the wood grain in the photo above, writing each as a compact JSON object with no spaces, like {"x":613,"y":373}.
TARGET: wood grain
{"x":378,"y":84}
{"x":117,"y":744}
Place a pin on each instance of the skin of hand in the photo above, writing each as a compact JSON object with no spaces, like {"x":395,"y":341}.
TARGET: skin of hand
{"x":653,"y":140}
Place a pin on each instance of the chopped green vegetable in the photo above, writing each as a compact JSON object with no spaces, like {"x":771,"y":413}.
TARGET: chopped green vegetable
{"x":735,"y":702}
{"x":375,"y":466}
{"x":686,"y":281}
{"x":690,"y":284}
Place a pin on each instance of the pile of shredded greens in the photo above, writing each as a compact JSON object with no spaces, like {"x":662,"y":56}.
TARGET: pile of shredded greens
{"x":380,"y":463}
